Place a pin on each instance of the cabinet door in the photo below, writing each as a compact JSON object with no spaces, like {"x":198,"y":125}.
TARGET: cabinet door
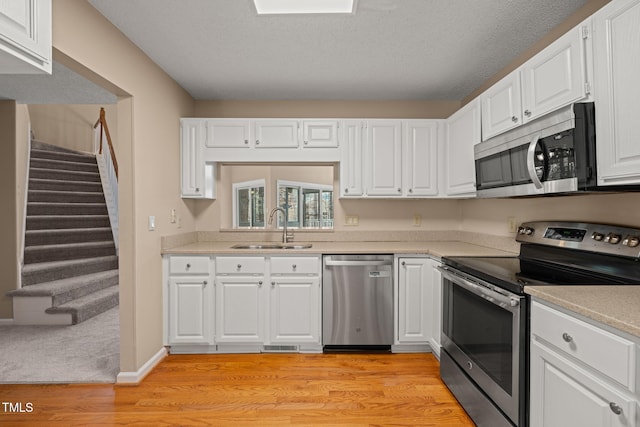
{"x":228,"y":133}
{"x":420,"y":151}
{"x":191,"y":156}
{"x":295,"y":310}
{"x":240,"y":309}
{"x":556,"y":76}
{"x":436,"y":306}
{"x":383,"y":158}
{"x":414,"y":300}
{"x":462,"y":133}
{"x":501,"y":106}
{"x":25,"y":36}
{"x":320,"y":133}
{"x":617,"y":61}
{"x":276,"y":133}
{"x":351,"y":159}
{"x":190,"y":310}
{"x":562,"y":394}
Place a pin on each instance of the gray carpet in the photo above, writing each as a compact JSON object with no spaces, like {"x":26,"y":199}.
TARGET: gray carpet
{"x":88,"y":352}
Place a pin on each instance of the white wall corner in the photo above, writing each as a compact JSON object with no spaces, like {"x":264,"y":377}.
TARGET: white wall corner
{"x":137,"y":376}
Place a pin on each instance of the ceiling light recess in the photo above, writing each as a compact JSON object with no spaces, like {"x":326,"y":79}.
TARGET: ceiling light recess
{"x":288,"y":7}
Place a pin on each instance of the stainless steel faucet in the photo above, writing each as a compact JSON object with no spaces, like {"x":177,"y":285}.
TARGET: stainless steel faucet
{"x":287,"y":236}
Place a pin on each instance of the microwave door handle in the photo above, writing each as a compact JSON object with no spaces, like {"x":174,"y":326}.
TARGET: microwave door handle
{"x":531,"y":164}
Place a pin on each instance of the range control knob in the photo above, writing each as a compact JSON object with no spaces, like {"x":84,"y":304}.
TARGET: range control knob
{"x":631,"y":241}
{"x":525,"y":231}
{"x":597,"y":236}
{"x":613,"y":238}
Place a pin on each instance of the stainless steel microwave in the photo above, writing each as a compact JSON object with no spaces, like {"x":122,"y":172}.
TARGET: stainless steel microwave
{"x":554,"y":154}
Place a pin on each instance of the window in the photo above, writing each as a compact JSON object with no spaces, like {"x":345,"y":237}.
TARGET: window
{"x":308,"y":205}
{"x":248,"y":204}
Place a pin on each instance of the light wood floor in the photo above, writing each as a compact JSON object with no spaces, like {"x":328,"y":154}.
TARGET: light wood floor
{"x":259,"y":389}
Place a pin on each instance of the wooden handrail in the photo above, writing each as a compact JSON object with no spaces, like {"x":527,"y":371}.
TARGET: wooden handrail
{"x":103,"y":122}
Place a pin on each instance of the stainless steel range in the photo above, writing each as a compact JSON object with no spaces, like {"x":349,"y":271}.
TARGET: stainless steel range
{"x":485,"y":333}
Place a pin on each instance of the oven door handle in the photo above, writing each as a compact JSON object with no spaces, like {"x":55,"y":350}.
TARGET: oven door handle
{"x":490,"y":295}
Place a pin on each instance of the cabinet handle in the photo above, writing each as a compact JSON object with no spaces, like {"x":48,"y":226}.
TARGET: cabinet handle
{"x":566,"y":337}
{"x":294,"y":266}
{"x":514,"y":119}
{"x":527,"y":113}
{"x":257,"y":142}
{"x":346,"y":190}
{"x":197,"y":189}
{"x":205,"y":283}
{"x":306,"y":143}
{"x":399,"y":190}
{"x":188,"y":266}
{"x":260,"y":283}
{"x":411,"y":190}
{"x":246,"y":141}
{"x":239,"y":266}
{"x":615,"y":408}
{"x":273,"y":284}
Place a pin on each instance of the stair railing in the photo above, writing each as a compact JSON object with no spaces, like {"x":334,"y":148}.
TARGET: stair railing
{"x":108,"y":166}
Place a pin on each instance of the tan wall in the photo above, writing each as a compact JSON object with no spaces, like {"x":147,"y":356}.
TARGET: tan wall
{"x":148,"y":115}
{"x":9,"y":246}
{"x":490,"y":215}
{"x":409,"y":109}
{"x":69,"y":126}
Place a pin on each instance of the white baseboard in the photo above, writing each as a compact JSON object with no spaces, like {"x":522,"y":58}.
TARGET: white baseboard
{"x":6,"y":322}
{"x":137,"y":376}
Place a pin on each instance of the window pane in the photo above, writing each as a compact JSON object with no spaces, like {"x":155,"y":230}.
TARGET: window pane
{"x":244,"y":211}
{"x":311,"y":208}
{"x":326,"y":209}
{"x":258,"y":206}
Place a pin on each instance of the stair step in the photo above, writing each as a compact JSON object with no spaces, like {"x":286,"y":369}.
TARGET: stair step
{"x":71,"y":235}
{"x":64,"y":175}
{"x":37,"y":153}
{"x":88,"y":306}
{"x":71,"y":209}
{"x":67,"y":251}
{"x":51,"y":222}
{"x":64,"y":290}
{"x":55,"y":270}
{"x":63,"y":165}
{"x":65,"y":196}
{"x":63,"y":185}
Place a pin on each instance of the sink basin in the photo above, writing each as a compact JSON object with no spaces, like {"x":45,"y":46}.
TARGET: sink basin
{"x":272,"y":246}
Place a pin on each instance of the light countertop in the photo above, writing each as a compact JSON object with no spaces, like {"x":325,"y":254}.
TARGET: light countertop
{"x":436,"y":248}
{"x":617,"y":306}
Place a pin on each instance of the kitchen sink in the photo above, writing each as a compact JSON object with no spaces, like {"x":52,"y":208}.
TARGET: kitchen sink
{"x":272,"y":246}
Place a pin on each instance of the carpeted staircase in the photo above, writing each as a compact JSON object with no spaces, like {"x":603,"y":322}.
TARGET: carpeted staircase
{"x":70,"y":271}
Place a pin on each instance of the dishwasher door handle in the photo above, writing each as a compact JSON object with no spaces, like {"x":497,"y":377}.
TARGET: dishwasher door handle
{"x":331,"y":263}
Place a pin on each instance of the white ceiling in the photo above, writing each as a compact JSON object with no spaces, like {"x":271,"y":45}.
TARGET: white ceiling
{"x":390,"y":49}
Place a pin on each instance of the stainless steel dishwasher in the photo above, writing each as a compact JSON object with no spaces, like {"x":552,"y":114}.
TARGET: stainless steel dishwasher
{"x":357,"y":301}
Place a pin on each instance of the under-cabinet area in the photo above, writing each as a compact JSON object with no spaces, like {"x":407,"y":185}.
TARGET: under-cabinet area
{"x":226,"y":303}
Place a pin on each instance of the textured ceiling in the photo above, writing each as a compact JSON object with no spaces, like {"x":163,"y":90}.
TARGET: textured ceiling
{"x":390,"y":49}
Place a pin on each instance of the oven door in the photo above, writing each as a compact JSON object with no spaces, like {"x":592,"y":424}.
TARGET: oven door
{"x":484,"y":332}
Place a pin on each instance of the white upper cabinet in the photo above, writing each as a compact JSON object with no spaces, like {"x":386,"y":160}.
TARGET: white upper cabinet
{"x":383,"y":158}
{"x":277,"y":133}
{"x":25,"y":36}
{"x":617,"y":90}
{"x":556,"y":76}
{"x":320,"y":133}
{"x":552,"y":79}
{"x":502,"y":106}
{"x":228,"y":134}
{"x":351,"y":159}
{"x":420,"y":151}
{"x":462,"y":132}
{"x":197,"y":176}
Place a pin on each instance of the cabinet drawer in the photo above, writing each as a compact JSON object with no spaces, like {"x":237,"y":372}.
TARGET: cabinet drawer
{"x":240,"y":265}
{"x":189,"y":264}
{"x":295,"y":265}
{"x":603,"y":351}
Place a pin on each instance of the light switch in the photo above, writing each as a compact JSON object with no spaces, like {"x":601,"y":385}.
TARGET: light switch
{"x":152,"y":222}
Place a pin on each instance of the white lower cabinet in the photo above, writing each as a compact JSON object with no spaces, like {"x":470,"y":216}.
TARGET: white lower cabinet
{"x":580,"y":374}
{"x":268,"y":302}
{"x":190,"y":300}
{"x":419,"y":299}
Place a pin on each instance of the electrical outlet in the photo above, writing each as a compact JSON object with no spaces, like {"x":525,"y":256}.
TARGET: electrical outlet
{"x":172,"y":218}
{"x":512,"y":224}
{"x":352,"y":220}
{"x":152,"y":222}
{"x":417,"y":220}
